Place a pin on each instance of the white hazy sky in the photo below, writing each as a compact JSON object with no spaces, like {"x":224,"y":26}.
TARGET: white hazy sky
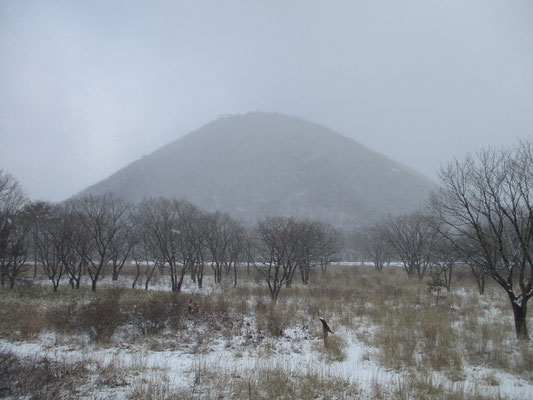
{"x":86,"y":87}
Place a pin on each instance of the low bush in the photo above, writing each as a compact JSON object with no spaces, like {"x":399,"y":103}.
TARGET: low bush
{"x":100,"y":317}
{"x":21,"y":320}
{"x":151,"y":316}
{"x":271,"y":318}
{"x":62,"y":318}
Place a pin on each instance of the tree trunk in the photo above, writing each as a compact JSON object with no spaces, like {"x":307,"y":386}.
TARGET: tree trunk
{"x":200,"y":275}
{"x":215,"y":275}
{"x":93,"y":284}
{"x":481,"y":284}
{"x":421,"y":271}
{"x":173,"y":278}
{"x":449,"y":278}
{"x":304,"y":271}
{"x":520,"y":322}
{"x":178,"y":287}
{"x":136,"y":276}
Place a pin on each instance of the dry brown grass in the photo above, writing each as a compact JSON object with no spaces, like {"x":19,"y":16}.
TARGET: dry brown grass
{"x":39,"y":378}
{"x":279,"y":383}
{"x":396,"y":317}
{"x":334,"y":350}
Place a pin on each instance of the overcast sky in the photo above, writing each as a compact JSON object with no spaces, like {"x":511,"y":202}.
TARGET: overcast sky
{"x":86,"y":87}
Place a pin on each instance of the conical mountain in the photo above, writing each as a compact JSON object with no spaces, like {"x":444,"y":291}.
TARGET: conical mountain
{"x":261,"y":164}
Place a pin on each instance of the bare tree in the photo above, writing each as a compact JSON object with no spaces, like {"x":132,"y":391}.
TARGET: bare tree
{"x":14,"y":229}
{"x":486,"y":202}
{"x":121,"y":246}
{"x":319,"y":244}
{"x":141,"y":261}
{"x":236,"y":249}
{"x":249,"y":245}
{"x":157,"y":218}
{"x":36,"y":212}
{"x":14,"y":241}
{"x":52,"y":244}
{"x":12,"y":196}
{"x":218,"y":236}
{"x":141,"y":254}
{"x":191,"y":233}
{"x":277,"y":251}
{"x":103,"y":218}
{"x":412,"y":237}
{"x":329,"y":245}
{"x":170,"y":228}
{"x":308,"y":248}
{"x":445,"y":258}
{"x":226,"y":242}
{"x":472,"y":255}
{"x":373,"y":245}
{"x":80,"y":245}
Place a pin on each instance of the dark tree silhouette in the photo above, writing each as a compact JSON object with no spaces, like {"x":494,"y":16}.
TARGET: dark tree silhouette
{"x":486,"y":201}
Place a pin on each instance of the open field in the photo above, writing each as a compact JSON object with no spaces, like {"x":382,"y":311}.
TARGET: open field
{"x":392,"y":339}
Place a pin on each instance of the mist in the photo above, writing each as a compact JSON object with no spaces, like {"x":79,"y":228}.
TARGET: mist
{"x":88,"y":87}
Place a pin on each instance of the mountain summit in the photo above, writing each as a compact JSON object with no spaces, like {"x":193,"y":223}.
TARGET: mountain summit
{"x":261,"y":164}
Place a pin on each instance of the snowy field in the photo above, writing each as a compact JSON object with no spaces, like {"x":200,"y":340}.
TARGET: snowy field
{"x":391,"y":339}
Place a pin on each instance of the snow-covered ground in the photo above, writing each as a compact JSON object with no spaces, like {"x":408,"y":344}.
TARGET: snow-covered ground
{"x":191,"y":362}
{"x":294,"y":353}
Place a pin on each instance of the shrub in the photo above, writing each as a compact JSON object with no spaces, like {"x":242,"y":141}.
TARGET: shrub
{"x":100,"y":317}
{"x":62,"y":319}
{"x":20,"y":320}
{"x":151,"y":316}
{"x":271,"y":317}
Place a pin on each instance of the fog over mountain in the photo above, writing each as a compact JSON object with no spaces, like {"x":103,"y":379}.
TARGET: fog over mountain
{"x":261,"y":164}
{"x":88,"y":86}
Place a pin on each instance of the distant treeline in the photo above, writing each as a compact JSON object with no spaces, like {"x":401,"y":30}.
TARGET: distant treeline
{"x":482,"y":216}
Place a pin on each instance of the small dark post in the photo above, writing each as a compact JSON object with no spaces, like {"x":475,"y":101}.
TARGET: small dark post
{"x":325,"y":330}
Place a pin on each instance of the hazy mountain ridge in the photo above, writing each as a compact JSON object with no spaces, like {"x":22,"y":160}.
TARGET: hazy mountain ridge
{"x":260,"y":164}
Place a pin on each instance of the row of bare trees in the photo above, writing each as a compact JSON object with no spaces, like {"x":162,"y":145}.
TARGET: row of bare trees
{"x":481,"y":216}
{"x":176,"y":236}
{"x":285,"y":247}
{"x":86,"y":236}
{"x":413,"y":239}
{"x":72,"y":239}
